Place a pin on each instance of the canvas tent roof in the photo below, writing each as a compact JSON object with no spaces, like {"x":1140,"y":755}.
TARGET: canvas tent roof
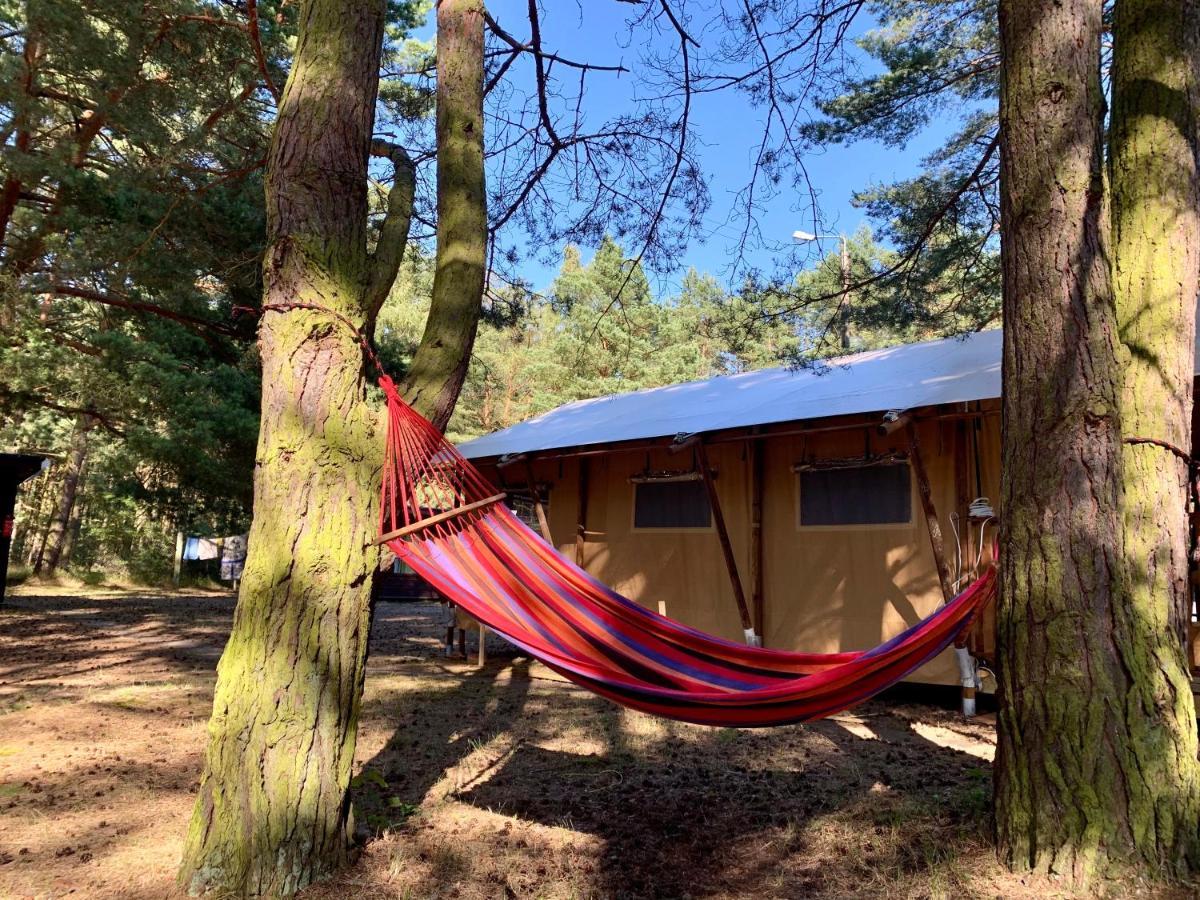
{"x":953,"y":370}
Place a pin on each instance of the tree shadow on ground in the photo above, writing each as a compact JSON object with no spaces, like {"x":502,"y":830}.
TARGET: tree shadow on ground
{"x":53,"y":643}
{"x":671,"y":810}
{"x":435,"y":727}
{"x":717,"y":812}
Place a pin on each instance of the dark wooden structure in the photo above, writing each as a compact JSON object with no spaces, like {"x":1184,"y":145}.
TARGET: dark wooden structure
{"x":397,"y":583}
{"x":14,"y":469}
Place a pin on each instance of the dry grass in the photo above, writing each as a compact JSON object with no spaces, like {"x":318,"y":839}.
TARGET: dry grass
{"x":500,"y":782}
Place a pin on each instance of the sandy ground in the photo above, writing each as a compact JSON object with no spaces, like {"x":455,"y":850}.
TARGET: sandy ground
{"x":502,"y":781}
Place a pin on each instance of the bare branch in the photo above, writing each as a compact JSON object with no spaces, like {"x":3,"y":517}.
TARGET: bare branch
{"x":536,"y":49}
{"x":256,"y":43}
{"x":201,"y":326}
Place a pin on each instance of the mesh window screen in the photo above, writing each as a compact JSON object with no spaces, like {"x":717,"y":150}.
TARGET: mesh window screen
{"x":525,"y":507}
{"x":671,"y":504}
{"x":862,"y":495}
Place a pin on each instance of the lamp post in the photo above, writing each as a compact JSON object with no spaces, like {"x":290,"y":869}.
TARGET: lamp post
{"x":842,"y":321}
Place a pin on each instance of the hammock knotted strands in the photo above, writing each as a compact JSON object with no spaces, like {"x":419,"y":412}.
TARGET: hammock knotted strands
{"x":446,"y":521}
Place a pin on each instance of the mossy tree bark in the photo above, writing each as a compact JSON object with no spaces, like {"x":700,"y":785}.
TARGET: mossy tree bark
{"x":1097,"y":752}
{"x":440,"y":364}
{"x":273,"y":812}
{"x":1156,"y":280}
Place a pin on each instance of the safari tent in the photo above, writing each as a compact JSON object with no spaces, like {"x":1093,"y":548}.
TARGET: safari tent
{"x":815,"y":516}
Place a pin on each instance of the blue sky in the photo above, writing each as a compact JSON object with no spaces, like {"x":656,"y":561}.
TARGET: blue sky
{"x":729,"y":128}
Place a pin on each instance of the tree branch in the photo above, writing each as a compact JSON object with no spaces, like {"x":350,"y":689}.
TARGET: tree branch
{"x":199,"y":325}
{"x":911,"y":254}
{"x":101,"y":419}
{"x":537,"y":51}
{"x":256,"y":43}
{"x":393,"y":232}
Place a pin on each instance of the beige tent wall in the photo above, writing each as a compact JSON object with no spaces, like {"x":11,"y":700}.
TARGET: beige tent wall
{"x":825,"y":589}
{"x":849,"y":588}
{"x":680,"y":573}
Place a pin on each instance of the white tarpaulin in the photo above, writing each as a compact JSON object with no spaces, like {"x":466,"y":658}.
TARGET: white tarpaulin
{"x":954,"y":370}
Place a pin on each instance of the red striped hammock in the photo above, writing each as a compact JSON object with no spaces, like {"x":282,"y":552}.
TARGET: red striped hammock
{"x":446,"y":521}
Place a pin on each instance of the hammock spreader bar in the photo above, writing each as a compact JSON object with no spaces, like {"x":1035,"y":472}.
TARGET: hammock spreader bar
{"x":444,"y":519}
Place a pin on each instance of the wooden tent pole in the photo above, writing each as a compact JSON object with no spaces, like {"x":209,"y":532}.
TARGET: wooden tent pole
{"x":931,"y":519}
{"x":543,"y":522}
{"x":581,"y":522}
{"x":962,"y":495}
{"x":756,"y":538}
{"x":726,"y":547}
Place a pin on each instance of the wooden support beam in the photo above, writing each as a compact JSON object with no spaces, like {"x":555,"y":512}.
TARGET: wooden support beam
{"x":757,"y":599}
{"x":714,"y":503}
{"x":581,"y":521}
{"x":893,"y":423}
{"x":931,"y":519}
{"x":962,"y":495}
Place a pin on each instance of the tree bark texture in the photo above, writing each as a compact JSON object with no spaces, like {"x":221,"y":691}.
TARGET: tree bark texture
{"x":1156,"y":279}
{"x":440,"y":363}
{"x":1093,"y":763}
{"x":273,"y":812}
{"x":60,"y":521}
{"x":1057,"y":773}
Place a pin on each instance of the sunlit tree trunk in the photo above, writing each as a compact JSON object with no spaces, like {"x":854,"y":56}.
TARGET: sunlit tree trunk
{"x":439,"y":366}
{"x":1156,"y":281}
{"x":273,"y":812}
{"x":1096,"y":757}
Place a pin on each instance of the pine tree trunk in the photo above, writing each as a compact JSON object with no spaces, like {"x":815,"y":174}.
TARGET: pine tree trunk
{"x":1093,"y":764}
{"x":458,"y":278}
{"x":1156,"y":280}
{"x":60,"y":522}
{"x":1057,"y":776}
{"x":273,"y":812}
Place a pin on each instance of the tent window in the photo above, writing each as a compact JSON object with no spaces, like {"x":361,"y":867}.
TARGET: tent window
{"x":859,"y":495}
{"x":523,"y":505}
{"x":671,"y":504}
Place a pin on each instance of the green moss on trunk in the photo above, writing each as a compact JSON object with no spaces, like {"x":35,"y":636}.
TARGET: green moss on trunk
{"x":273,"y":811}
{"x":1096,"y":762}
{"x":1156,"y":275}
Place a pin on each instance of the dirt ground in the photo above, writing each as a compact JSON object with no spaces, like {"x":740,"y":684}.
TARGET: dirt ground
{"x":494,"y":782}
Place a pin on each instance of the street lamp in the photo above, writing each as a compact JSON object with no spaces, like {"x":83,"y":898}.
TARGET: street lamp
{"x":842,"y":322}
